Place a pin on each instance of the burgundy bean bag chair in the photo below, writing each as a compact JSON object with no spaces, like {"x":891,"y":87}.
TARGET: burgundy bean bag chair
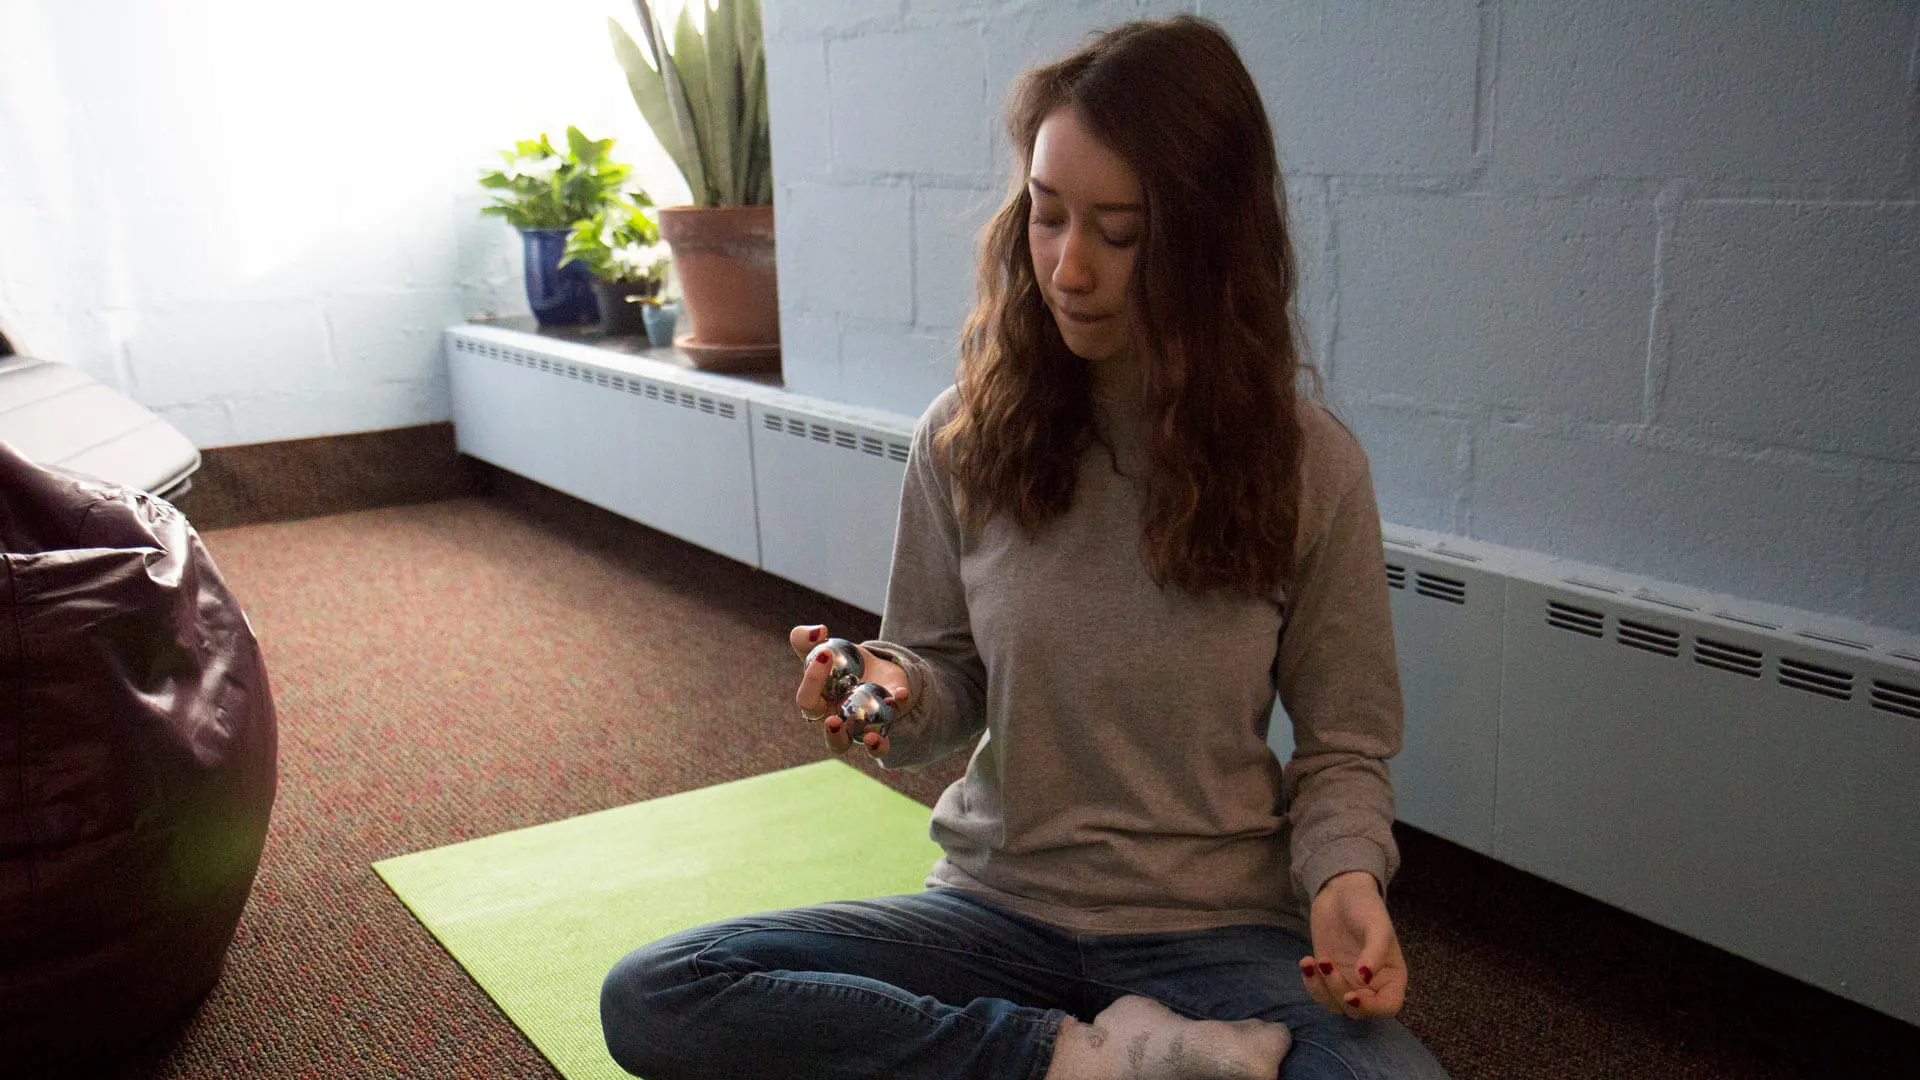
{"x":137,"y":769}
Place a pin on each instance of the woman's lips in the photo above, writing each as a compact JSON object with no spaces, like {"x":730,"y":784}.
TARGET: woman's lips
{"x":1083,"y":320}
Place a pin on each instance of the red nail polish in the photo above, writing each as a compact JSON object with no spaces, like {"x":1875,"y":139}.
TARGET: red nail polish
{"x":1366,"y":974}
{"x":813,"y":635}
{"x":1326,"y":968}
{"x":1353,"y":1002}
{"x":822,"y":658}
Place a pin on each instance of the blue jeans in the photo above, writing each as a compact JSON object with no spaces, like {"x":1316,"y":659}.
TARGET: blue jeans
{"x":941,"y":984}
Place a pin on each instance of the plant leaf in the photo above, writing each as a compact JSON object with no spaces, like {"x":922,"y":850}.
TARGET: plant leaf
{"x":756,"y":174}
{"x":724,"y":91}
{"x":690,"y":56}
{"x":756,"y":153}
{"x":579,"y":145}
{"x":650,"y":94}
{"x":683,"y":117}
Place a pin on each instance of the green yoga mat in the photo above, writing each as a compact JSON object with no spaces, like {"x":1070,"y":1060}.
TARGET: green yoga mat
{"x":538,"y":916}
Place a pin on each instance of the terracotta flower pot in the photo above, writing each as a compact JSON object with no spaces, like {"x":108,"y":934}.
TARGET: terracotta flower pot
{"x":724,"y":255}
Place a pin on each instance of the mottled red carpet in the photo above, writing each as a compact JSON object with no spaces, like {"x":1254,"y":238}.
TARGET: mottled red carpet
{"x":455,"y":669}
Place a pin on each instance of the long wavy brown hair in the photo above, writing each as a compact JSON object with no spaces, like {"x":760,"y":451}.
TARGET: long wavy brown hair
{"x":1212,"y":297}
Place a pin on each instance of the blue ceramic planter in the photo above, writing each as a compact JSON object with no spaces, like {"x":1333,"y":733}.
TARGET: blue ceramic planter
{"x":559,"y":295}
{"x":660,"y":319}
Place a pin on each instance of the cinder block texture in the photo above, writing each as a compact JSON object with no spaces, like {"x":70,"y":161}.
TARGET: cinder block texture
{"x":204,"y":423}
{"x":272,"y":418}
{"x":391,"y":337}
{"x":809,"y":351}
{"x":946,"y":229}
{"x":797,"y":111}
{"x":1730,"y":89}
{"x":848,"y":249}
{"x":815,"y":18}
{"x":1767,"y":528}
{"x":910,"y":102}
{"x":1892,"y":501}
{"x":1515,"y":302}
{"x":1040,"y":34}
{"x":1796,"y":324}
{"x":1309,"y":227}
{"x":1420,"y":463}
{"x":895,"y":368}
{"x":1362,"y":88}
{"x":244,"y":348}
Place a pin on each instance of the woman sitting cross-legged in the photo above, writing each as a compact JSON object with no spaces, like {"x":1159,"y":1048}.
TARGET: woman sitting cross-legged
{"x":1123,"y":532}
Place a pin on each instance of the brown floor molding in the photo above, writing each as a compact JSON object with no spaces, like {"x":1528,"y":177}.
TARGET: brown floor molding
{"x":302,"y":478}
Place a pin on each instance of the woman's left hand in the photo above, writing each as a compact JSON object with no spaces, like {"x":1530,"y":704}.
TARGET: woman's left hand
{"x":1356,"y":968}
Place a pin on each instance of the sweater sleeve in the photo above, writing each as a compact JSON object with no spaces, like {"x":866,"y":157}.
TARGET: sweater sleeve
{"x":925,"y":628}
{"x":1341,"y":686}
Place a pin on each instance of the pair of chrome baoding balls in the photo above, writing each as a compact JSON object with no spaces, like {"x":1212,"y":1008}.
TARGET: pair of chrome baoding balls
{"x":862,"y":706}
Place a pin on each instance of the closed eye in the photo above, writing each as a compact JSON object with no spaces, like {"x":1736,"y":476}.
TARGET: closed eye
{"x":1121,"y":243}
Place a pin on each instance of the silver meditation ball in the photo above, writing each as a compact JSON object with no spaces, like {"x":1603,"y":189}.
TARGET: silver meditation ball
{"x":844,"y":670}
{"x":866,"y":709}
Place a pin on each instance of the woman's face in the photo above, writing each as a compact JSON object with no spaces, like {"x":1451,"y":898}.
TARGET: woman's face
{"x":1085,"y":232}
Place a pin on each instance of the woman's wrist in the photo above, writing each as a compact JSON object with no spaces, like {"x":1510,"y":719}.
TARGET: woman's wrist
{"x":1353,"y":879}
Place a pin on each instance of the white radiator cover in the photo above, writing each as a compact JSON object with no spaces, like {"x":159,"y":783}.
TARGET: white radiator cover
{"x":1745,"y":774}
{"x":804,"y":488}
{"x":828,"y":491}
{"x":657,"y":443}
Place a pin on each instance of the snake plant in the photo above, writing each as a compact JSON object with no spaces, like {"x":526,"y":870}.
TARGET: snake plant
{"x":705,"y":97}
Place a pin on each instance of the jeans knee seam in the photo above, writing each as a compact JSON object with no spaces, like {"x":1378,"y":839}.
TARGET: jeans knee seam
{"x":698,"y":959}
{"x":803,"y":984}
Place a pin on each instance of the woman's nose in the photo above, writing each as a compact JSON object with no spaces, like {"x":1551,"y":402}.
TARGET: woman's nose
{"x":1072,"y":273}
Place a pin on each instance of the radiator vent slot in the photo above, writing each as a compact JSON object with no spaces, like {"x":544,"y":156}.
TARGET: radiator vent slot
{"x":687,"y":399}
{"x":1815,"y":679}
{"x":1396,"y":576}
{"x":626,"y":384}
{"x":1452,"y":590}
{"x":1653,"y":639}
{"x":1894,"y":698}
{"x":1735,"y":658}
{"x":1577,"y":619}
{"x":832,"y":435}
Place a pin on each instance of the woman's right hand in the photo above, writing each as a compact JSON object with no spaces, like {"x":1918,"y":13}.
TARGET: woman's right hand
{"x":813,"y":704}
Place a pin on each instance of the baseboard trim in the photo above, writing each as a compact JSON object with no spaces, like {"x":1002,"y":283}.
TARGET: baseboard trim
{"x":333,"y":474}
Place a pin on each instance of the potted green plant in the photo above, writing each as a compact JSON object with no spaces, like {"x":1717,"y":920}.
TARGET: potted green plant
{"x":543,"y":192}
{"x":621,"y":248}
{"x":706,"y":100}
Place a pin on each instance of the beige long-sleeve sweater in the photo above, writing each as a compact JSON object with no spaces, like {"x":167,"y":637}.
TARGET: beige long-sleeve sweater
{"x":1124,"y":783}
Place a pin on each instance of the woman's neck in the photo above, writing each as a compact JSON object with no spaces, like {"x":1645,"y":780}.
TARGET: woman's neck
{"x":1114,"y":381}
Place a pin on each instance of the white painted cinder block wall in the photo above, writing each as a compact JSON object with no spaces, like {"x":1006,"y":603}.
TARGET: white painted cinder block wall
{"x":257,"y":218}
{"x":1630,"y":282}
